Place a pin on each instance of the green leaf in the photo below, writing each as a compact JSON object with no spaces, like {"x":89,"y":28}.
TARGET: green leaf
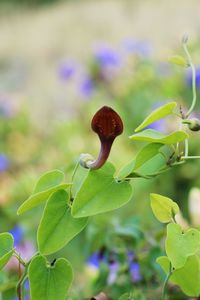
{"x":187,"y":277}
{"x":126,"y":170}
{"x":163,"y":208}
{"x":48,"y":180}
{"x":57,"y":226}
{"x":155,"y":136}
{"x":6,"y":248}
{"x":45,"y":186}
{"x":178,"y":60}
{"x":157,"y":114}
{"x":49,"y":282}
{"x":180,"y":245}
{"x":164,"y":262}
{"x":144,"y":155}
{"x":100,"y":193}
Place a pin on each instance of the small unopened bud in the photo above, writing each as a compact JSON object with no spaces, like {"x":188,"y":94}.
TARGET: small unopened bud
{"x":185,"y":38}
{"x":108,"y":125}
{"x":85,"y":158}
{"x":193,"y":124}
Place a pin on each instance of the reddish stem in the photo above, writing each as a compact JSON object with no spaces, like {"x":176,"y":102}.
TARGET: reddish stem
{"x":103,"y":155}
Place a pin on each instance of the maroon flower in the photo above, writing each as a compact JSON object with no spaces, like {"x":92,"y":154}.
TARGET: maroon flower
{"x":108,"y":125}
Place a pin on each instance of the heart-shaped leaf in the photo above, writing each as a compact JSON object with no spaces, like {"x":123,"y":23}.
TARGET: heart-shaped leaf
{"x":180,"y":245}
{"x":57,"y":226}
{"x":157,"y":114}
{"x":100,"y":193}
{"x":45,"y":186}
{"x":187,"y":277}
{"x":144,"y":155}
{"x":155,"y":136}
{"x":49,"y":282}
{"x":48,"y":180}
{"x":6,"y":248}
{"x":163,"y":208}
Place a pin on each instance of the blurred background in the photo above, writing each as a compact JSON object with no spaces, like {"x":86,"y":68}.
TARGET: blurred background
{"x":59,"y":62}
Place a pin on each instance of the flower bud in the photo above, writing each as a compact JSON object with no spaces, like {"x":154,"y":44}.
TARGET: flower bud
{"x":193,"y":124}
{"x":85,"y":158}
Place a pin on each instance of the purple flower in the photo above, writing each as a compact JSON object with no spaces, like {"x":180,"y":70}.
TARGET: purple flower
{"x":87,"y":87}
{"x":114,"y":268}
{"x":4,"y":162}
{"x":141,"y":48}
{"x":134,"y":269}
{"x":107,"y":56}
{"x":67,"y":70}
{"x":96,"y":259}
{"x":93,"y":260}
{"x":189,"y":77}
{"x":17,"y":233}
{"x":130,"y":255}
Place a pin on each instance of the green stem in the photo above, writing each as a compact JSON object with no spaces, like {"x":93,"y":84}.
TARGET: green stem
{"x":186,"y":148}
{"x":164,"y":292}
{"x":193,"y":79}
{"x":19,"y":286}
{"x":191,"y":157}
{"x":17,"y":255}
{"x":24,"y":276}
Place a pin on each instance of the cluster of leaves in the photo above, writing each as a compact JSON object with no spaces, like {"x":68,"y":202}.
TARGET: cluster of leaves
{"x":69,"y":207}
{"x":157,"y":140}
{"x":181,"y":263}
{"x":92,"y":192}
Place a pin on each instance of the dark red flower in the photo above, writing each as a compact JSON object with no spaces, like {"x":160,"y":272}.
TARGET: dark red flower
{"x":108,"y":125}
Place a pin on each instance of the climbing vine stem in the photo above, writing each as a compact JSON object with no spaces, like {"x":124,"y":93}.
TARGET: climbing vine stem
{"x":194,"y":93}
{"x":166,"y":283}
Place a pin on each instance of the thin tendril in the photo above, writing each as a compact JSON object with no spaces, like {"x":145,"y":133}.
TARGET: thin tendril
{"x":193,"y":79}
